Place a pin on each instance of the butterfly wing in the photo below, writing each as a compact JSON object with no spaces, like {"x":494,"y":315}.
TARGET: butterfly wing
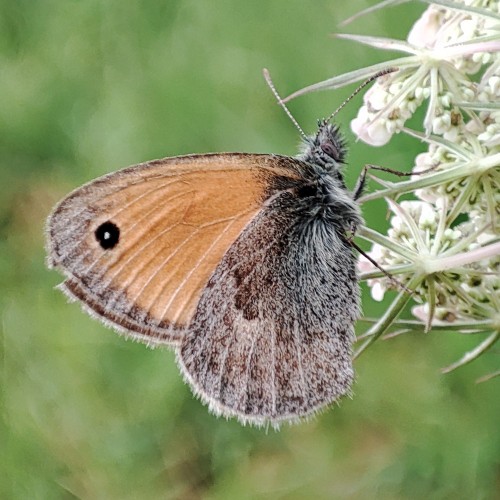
{"x":139,"y":245}
{"x":216,"y":253}
{"x":271,"y":339}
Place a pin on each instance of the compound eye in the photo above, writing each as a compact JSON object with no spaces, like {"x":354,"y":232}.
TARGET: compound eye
{"x":329,"y":150}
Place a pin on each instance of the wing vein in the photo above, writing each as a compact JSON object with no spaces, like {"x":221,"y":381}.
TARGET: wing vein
{"x":167,"y":259}
{"x":201,"y":260}
{"x":126,"y":232}
{"x":160,"y":268}
{"x":116,"y":213}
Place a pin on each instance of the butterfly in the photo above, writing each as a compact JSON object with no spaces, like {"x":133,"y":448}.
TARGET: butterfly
{"x":240,"y":262}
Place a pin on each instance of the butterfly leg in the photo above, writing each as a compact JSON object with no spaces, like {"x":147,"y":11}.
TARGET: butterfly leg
{"x":361,"y":182}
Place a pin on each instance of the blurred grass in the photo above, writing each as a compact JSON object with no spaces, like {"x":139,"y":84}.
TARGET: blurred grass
{"x":89,"y":86}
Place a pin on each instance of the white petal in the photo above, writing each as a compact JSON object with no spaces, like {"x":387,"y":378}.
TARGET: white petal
{"x":425,"y":30}
{"x":378,"y":292}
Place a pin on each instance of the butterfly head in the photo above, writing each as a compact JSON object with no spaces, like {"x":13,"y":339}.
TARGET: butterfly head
{"x":326,"y":148}
{"x":324,"y":194}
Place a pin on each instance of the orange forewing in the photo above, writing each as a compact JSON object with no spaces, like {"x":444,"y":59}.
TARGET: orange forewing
{"x":177,"y":217}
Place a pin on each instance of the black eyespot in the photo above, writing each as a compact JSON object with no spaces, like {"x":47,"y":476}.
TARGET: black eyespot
{"x":108,"y":235}
{"x":307,"y":190}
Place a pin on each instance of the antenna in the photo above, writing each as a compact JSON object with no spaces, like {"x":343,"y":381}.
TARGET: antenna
{"x":361,"y":87}
{"x":267,"y":76}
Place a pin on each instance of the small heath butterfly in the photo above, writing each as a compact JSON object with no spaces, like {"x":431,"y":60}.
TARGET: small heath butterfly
{"x":240,"y":262}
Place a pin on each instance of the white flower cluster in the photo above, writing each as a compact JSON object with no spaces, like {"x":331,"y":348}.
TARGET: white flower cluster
{"x":450,"y":236}
{"x":472,"y":192}
{"x":446,"y":46}
{"x":457,"y":291}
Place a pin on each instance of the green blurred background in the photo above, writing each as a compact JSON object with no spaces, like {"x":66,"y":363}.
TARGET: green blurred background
{"x":89,"y":86}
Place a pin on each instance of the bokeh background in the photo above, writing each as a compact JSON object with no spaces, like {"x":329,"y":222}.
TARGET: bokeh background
{"x":89,"y":86}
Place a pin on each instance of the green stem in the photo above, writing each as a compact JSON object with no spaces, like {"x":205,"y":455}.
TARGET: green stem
{"x":475,"y":166}
{"x":474,"y":354}
{"x":431,"y":300}
{"x":393,"y":270}
{"x":374,"y":237}
{"x":390,"y":315}
{"x":462,"y":199}
{"x":461,"y":327}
